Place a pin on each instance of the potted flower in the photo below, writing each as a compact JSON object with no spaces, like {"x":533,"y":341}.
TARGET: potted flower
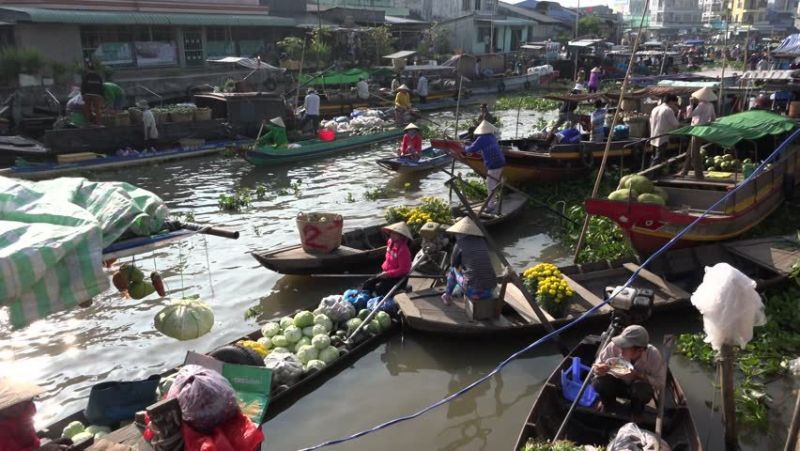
{"x":552,"y":291}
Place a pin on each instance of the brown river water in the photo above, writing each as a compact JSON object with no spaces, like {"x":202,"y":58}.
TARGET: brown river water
{"x":114,"y":339}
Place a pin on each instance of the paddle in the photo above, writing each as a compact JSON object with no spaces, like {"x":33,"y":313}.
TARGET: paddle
{"x":207,"y":230}
{"x":361,"y":276}
{"x":669,"y":342}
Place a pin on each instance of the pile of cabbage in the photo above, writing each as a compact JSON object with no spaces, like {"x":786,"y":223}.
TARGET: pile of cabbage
{"x":77,"y":432}
{"x":309,"y":341}
{"x":638,"y":188}
{"x":361,"y":120}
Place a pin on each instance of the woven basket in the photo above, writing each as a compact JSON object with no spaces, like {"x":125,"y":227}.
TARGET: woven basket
{"x":320,"y":233}
{"x":202,"y":114}
{"x":181,"y":117}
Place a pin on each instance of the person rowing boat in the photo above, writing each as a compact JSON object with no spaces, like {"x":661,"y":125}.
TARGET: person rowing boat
{"x":411,"y":146}
{"x":397,"y":263}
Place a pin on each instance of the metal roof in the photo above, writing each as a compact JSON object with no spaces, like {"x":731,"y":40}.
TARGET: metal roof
{"x":511,"y":22}
{"x":395,"y":20}
{"x":585,"y":42}
{"x":42,"y":15}
{"x":529,"y":13}
{"x":400,"y":54}
{"x":783,"y":75}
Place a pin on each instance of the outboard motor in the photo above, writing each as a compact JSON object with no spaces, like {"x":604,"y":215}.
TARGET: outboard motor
{"x":631,"y":305}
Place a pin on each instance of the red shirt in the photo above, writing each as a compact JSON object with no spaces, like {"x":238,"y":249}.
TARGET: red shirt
{"x":398,"y":259}
{"x":411,"y":146}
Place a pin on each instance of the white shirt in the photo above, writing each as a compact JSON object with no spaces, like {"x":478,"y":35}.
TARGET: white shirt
{"x":762,"y":64}
{"x":149,"y":121}
{"x":422,"y":87}
{"x":703,"y":113}
{"x":363,"y":89}
{"x":662,"y":120}
{"x":312,"y":104}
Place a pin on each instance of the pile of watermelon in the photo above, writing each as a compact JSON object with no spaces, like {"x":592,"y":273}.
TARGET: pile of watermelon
{"x":638,"y":188}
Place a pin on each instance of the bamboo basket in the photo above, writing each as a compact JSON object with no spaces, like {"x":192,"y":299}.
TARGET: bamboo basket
{"x":161,"y":117}
{"x":320,"y":233}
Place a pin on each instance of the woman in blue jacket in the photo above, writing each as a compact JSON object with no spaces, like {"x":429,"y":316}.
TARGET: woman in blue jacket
{"x":486,"y":144}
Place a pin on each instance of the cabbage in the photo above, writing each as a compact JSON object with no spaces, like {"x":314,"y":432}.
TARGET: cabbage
{"x":661,"y":193}
{"x":286,"y":321}
{"x":286,"y":368}
{"x":100,"y":434}
{"x":384,"y":319}
{"x":640,"y":184}
{"x":307,"y":353}
{"x":363,"y":314}
{"x":648,"y":198}
{"x":304,"y":319}
{"x":94,"y":430}
{"x":279,"y":341}
{"x":308,"y":331}
{"x":352,"y":325}
{"x":329,"y":355}
{"x":303,"y":341}
{"x":81,"y":436}
{"x":337,"y":309}
{"x":314,"y":365}
{"x":323,"y":320}
{"x":279,"y":350}
{"x":321,"y":341}
{"x":266,"y":341}
{"x":271,"y":329}
{"x":319,"y":329}
{"x":373,"y":327}
{"x":72,"y":429}
{"x":293,"y":334}
{"x":623,"y":195}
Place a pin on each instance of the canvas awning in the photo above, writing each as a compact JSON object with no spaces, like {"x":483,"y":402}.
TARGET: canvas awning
{"x":749,"y":125}
{"x":789,"y":47}
{"x":400,"y":54}
{"x":585,"y":42}
{"x":250,"y":63}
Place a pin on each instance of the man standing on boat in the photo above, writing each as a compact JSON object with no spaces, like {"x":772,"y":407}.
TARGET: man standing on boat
{"x":493,"y":158}
{"x":663,"y":119}
{"x":311,"y":105}
{"x":638,"y":384}
{"x":149,"y":123}
{"x":362,"y":89}
{"x":422,"y":88}
{"x":92,"y":92}
{"x":703,"y":113}
{"x":402,"y":104}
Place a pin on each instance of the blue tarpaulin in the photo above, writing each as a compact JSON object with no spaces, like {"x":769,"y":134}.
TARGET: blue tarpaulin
{"x":789,"y":47}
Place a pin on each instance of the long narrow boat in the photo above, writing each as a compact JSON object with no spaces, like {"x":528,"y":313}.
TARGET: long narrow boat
{"x":588,"y":426}
{"x":315,"y":148}
{"x":344,"y":105}
{"x":361,"y":248}
{"x":175,"y":231}
{"x":432,"y":158}
{"x":532,"y":161}
{"x":279,"y":400}
{"x":38,"y":171}
{"x":650,"y":226}
{"x":672,"y":277}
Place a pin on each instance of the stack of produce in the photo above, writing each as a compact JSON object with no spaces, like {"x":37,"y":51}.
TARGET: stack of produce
{"x":726,"y":163}
{"x":129,"y":279}
{"x":638,"y":188}
{"x":369,"y":121}
{"x":552,"y":290}
{"x":431,"y":209}
{"x":77,"y":432}
{"x":309,"y":341}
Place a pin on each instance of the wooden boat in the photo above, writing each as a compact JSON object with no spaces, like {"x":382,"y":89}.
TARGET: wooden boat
{"x":314,"y":148}
{"x":360,"y":248}
{"x":97,"y":162}
{"x":588,"y":426}
{"x":279,"y":400}
{"x":175,"y":231}
{"x":531,"y":161}
{"x":673,"y":277}
{"x":13,"y":147}
{"x":432,"y":158}
{"x":332,"y":105}
{"x":650,"y":226}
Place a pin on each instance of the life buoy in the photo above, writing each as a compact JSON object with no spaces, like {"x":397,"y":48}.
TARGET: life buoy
{"x":501,"y":87}
{"x":586,"y":156}
{"x":527,"y":84}
{"x":270,"y":84}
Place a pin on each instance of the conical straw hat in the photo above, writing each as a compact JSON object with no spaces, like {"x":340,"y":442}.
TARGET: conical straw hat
{"x":705,"y":94}
{"x":403,"y":87}
{"x":401,"y":228}
{"x":465,"y":226}
{"x":13,"y":392}
{"x":411,"y":126}
{"x":278,"y":121}
{"x":485,"y":128}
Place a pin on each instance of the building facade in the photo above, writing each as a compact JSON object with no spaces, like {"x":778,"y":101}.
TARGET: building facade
{"x":427,"y":10}
{"x":711,"y":12}
{"x":749,"y":13}
{"x":673,"y":17}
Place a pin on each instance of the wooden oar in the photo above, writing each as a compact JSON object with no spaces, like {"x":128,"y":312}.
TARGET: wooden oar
{"x":669,"y":342}
{"x":361,"y":276}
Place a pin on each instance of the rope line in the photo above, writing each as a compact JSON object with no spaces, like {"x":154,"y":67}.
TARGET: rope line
{"x":574,"y":322}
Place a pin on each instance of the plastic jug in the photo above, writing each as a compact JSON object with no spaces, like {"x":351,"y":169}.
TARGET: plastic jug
{"x":571,"y":381}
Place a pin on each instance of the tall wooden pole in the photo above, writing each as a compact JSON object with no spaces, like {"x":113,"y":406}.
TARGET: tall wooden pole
{"x":455,"y":132}
{"x":727,"y":361}
{"x":300,"y":74}
{"x":794,"y":427}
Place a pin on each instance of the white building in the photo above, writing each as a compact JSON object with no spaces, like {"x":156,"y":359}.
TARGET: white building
{"x":711,"y":11}
{"x":673,"y":17}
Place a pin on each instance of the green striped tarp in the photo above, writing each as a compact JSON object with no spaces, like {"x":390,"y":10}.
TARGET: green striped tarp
{"x":52,"y":235}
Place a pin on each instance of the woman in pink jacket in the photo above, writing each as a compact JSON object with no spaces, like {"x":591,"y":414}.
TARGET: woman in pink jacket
{"x":397,"y":263}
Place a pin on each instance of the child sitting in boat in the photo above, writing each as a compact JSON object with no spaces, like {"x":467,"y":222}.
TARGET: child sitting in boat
{"x":470,"y":265}
{"x":275,"y":135}
{"x":397,"y":263}
{"x":411,"y":146}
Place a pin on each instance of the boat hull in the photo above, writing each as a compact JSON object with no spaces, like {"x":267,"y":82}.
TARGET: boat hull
{"x":432,"y":158}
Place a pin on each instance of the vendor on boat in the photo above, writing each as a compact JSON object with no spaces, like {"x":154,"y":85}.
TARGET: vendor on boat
{"x":402,"y":103}
{"x":92,"y":92}
{"x":397,"y":263}
{"x":493,"y":158}
{"x":599,"y":121}
{"x":703,"y":113}
{"x":566,"y":113}
{"x":639,"y":385}
{"x":422,"y":88}
{"x":362,"y":89}
{"x":594,"y":79}
{"x":484,"y":115}
{"x":149,"y":124}
{"x":663,"y":119}
{"x":311,"y":105}
{"x":17,"y":431}
{"x":275,"y":135}
{"x":114,"y":95}
{"x":411,"y":146}
{"x":470,"y":264}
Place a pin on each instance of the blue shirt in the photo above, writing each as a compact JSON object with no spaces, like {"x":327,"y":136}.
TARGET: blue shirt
{"x":489,"y":149}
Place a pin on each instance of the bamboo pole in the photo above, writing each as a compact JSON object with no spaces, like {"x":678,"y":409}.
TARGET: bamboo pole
{"x":794,"y":427}
{"x":300,"y":74}
{"x":602,"y":169}
{"x":721,"y":101}
{"x":455,"y":132}
{"x":727,"y":361}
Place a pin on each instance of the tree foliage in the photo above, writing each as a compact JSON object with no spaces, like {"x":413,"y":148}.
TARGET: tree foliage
{"x":380,"y":42}
{"x":592,"y":26}
{"x":293,"y":46}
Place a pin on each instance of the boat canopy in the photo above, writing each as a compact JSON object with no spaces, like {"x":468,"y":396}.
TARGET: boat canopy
{"x":729,"y":130}
{"x":348,"y":77}
{"x":789,"y":47}
{"x":250,"y":63}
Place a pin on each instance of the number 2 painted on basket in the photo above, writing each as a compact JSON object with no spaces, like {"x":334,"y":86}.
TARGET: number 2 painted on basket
{"x":310,"y":234}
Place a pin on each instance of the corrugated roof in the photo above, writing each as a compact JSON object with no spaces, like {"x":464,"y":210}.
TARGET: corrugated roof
{"x":537,"y":16}
{"x":508,"y":21}
{"x":395,"y":20}
{"x":400,"y":54}
{"x":42,"y":15}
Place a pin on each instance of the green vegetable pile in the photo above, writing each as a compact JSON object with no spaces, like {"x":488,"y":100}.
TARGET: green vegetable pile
{"x":561,"y":445}
{"x":638,"y":188}
{"x":524,"y":101}
{"x":78,"y":433}
{"x":767,"y":355}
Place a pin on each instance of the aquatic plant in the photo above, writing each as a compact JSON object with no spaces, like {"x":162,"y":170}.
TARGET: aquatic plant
{"x":239,"y":200}
{"x":350,"y":198}
{"x":381,"y":192}
{"x":261,"y":191}
{"x":561,"y":445}
{"x":524,"y":101}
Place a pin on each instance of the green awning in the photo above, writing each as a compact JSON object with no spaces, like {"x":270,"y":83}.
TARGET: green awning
{"x":729,"y":130}
{"x":348,"y":77}
{"x":83,"y":17}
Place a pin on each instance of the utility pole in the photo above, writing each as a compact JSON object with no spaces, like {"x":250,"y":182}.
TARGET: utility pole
{"x":577,"y":18}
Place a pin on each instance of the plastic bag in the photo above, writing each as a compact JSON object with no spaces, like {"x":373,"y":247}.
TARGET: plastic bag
{"x":730,"y":306}
{"x":337,"y":309}
{"x":631,"y":438}
{"x":390,"y":306}
{"x":286,"y":368}
{"x":358,"y":298}
{"x":238,"y":433}
{"x":205,"y":396}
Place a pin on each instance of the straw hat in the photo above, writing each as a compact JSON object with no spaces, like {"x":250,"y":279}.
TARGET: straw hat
{"x":595,"y":69}
{"x":278,"y":121}
{"x":485,"y":128}
{"x":411,"y":126}
{"x":465,"y":226}
{"x":142,"y":104}
{"x":13,"y":392}
{"x":704,"y":95}
{"x":400,"y":228}
{"x":403,"y":87}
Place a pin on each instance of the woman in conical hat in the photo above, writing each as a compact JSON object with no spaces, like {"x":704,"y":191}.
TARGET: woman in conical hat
{"x":402,"y":103}
{"x":17,"y":409}
{"x":705,"y":94}
{"x":486,"y":144}
{"x":411,"y":146}
{"x":703,"y":113}
{"x":471,"y":267}
{"x":275,"y":135}
{"x":397,"y":263}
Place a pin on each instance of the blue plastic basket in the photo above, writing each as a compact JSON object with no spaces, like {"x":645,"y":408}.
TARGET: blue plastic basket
{"x":571,"y":381}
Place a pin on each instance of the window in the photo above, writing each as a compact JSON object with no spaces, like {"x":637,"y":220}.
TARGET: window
{"x":483,"y":34}
{"x":130,"y":46}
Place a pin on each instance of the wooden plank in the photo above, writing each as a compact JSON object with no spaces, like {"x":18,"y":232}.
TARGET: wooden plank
{"x":587,"y":295}
{"x":776,"y":254}
{"x":669,"y":288}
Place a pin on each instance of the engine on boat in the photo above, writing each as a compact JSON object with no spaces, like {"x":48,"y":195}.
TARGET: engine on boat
{"x":631,"y":305}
